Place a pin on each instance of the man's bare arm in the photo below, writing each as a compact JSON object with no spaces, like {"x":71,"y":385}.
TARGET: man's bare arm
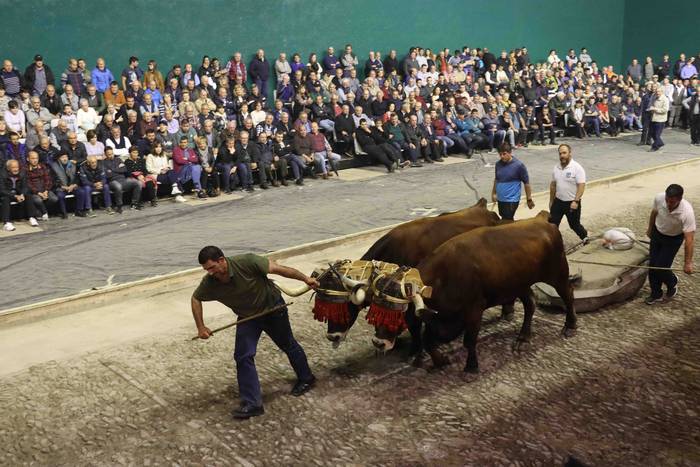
{"x":198,"y":315}
{"x":652,"y":221}
{"x":291,"y":273}
{"x":689,"y":244}
{"x":552,"y":192}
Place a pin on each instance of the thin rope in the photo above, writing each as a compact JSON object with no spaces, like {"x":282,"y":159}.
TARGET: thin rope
{"x":638,"y":266}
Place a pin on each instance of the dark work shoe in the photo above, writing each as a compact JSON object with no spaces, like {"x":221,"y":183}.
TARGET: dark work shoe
{"x":245,"y":411}
{"x":249,"y":188}
{"x":302,"y":387}
{"x":80,"y":214}
{"x":652,"y":299}
{"x":118,"y":210}
{"x":264,"y":186}
{"x":201,"y":194}
{"x":299,"y":181}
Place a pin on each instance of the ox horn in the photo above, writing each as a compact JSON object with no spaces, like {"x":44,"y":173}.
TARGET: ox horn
{"x":357,"y":290}
{"x":422,"y":311}
{"x":292,"y":292}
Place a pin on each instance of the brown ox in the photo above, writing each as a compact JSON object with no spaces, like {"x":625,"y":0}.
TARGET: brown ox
{"x":408,"y":244}
{"x":488,"y":267}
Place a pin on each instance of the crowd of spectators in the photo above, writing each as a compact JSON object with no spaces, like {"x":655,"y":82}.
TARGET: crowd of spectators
{"x":88,"y":136}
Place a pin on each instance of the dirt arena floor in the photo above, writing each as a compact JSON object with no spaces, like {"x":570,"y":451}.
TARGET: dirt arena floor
{"x":624,"y":391}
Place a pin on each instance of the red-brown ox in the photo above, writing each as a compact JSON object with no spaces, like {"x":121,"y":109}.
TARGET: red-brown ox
{"x":484,"y":268}
{"x":408,"y":244}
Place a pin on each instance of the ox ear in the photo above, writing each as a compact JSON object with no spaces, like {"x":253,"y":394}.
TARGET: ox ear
{"x":482,"y":203}
{"x":426,"y":292}
{"x":543,"y":216}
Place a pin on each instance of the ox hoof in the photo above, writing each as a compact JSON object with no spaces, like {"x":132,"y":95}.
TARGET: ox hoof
{"x":508,"y":316}
{"x":521,"y":344}
{"x":568,"y":332}
{"x":508,"y":312}
{"x":440,"y":361}
{"x":418,"y":361}
{"x":470,"y":374}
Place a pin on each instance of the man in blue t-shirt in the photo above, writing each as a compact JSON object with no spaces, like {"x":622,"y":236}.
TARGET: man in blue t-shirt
{"x":510,"y":173}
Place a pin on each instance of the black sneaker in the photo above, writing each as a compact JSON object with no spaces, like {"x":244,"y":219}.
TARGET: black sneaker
{"x":246,"y":411}
{"x":201,"y":194}
{"x":302,"y":387}
{"x":651,"y":300}
{"x":249,"y":188}
{"x":80,"y":214}
{"x":299,"y":181}
{"x":118,"y":210}
{"x":263,"y":186}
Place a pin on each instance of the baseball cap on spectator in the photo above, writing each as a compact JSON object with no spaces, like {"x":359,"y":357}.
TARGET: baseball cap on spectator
{"x":38,"y":58}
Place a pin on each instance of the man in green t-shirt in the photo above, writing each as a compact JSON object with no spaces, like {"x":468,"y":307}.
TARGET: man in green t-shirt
{"x":241,"y":283}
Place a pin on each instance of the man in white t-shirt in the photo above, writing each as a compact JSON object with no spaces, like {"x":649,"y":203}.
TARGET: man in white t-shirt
{"x":671,"y":222}
{"x":566,"y":190}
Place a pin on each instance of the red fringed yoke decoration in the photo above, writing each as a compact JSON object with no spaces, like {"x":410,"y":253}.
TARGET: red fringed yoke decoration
{"x":391,"y":319}
{"x":333,"y":312}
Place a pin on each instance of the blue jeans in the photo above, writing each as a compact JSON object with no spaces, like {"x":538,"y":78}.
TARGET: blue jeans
{"x":320,"y":161}
{"x":593,"y":122}
{"x":84,"y":200}
{"x":297,"y":164}
{"x":656,"y":129}
{"x":79,"y":199}
{"x":275,"y":325}
{"x":190,"y":172}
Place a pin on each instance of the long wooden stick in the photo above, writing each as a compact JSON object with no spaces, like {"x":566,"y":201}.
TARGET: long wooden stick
{"x":249,"y":318}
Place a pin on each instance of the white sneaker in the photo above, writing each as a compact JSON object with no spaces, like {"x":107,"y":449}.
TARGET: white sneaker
{"x":176,"y":190}
{"x":33,"y":222}
{"x":8,"y":227}
{"x":179,"y":199}
{"x":45,"y":217}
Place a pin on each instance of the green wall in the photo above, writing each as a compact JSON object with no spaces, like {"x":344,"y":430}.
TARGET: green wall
{"x":652,"y":29}
{"x":182,"y":31}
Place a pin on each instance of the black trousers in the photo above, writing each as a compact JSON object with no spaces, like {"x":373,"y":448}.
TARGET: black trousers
{"x":646,"y":129}
{"x":379,"y":156}
{"x":563,"y":208}
{"x":695,"y":129}
{"x":5,"y":208}
{"x":507,"y":209}
{"x":662,"y":251}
